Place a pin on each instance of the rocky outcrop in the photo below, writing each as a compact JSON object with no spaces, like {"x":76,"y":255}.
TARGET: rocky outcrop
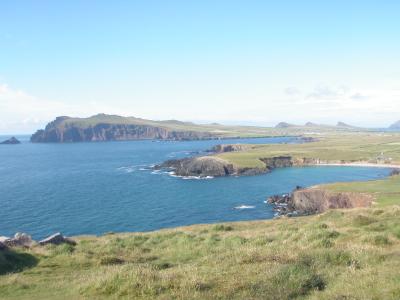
{"x":199,"y":166}
{"x":395,"y":172}
{"x":56,"y":239}
{"x":11,"y":141}
{"x":2,"y":246}
{"x":19,"y":240}
{"x":25,"y":240}
{"x":277,"y":162}
{"x":229,"y":148}
{"x":317,"y":200}
{"x":112,"y":128}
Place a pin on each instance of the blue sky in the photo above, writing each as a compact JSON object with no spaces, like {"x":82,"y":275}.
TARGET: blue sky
{"x":249,"y":62}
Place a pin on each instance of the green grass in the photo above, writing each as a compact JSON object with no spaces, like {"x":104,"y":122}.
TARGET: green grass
{"x":331,"y":147}
{"x":385,"y":191}
{"x":350,"y":254}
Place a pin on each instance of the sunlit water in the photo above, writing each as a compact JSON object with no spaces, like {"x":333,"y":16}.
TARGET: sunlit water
{"x":93,"y":188}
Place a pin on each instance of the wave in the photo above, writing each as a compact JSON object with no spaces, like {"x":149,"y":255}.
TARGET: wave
{"x":133,"y":168}
{"x":196,"y":177}
{"x":244,"y":207}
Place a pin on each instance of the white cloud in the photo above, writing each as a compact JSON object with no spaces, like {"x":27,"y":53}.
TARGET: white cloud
{"x":21,"y":112}
{"x":365,"y":106}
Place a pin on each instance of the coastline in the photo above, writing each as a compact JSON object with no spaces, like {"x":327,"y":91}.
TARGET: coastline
{"x":359,"y":164}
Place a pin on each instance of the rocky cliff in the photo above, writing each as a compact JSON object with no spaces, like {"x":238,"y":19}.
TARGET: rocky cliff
{"x":317,"y":200}
{"x":199,"y":166}
{"x":99,"y":128}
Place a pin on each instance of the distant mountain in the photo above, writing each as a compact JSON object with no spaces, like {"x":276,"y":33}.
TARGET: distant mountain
{"x":104,"y":127}
{"x":342,"y":124}
{"x":311,"y":124}
{"x":395,"y":125}
{"x":284,"y":125}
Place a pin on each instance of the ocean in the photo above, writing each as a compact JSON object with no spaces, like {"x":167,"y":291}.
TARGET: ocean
{"x":95,"y":188}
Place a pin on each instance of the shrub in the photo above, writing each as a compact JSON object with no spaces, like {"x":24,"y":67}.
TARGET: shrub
{"x":221,"y":227}
{"x":62,"y":249}
{"x":381,"y":240}
{"x":111,"y":260}
{"x":362,"y":220}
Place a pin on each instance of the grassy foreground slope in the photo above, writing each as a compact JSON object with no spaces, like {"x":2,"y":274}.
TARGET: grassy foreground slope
{"x":330,"y":147}
{"x":341,"y":254}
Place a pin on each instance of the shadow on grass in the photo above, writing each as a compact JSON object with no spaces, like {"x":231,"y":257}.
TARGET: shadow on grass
{"x":13,"y":261}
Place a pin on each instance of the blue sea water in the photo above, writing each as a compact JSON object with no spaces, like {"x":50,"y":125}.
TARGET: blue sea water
{"x":94,"y":188}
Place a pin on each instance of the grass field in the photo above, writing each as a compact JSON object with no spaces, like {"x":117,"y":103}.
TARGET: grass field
{"x":386,"y":191}
{"x":331,"y":147}
{"x":341,"y":254}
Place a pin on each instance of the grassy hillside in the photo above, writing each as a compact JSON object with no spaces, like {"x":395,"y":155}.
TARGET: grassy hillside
{"x":340,"y":254}
{"x":332,"y":147}
{"x":386,"y":191}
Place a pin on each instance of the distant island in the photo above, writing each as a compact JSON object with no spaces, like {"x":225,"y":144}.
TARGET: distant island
{"x":11,"y":141}
{"x":104,"y":127}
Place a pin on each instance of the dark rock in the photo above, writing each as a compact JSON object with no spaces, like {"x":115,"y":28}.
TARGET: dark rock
{"x":11,"y":141}
{"x":251,"y":171}
{"x":307,"y":139}
{"x":2,"y":246}
{"x":56,"y":239}
{"x":229,"y":148}
{"x":19,"y":240}
{"x":277,"y":162}
{"x":395,"y":172}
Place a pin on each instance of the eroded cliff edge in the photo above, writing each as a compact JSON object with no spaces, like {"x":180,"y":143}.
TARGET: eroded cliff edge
{"x":315,"y":200}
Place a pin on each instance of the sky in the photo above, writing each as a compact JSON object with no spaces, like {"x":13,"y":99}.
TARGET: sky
{"x":233,"y":62}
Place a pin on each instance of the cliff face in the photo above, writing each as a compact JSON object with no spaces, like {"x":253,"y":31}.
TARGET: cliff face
{"x":199,"y":166}
{"x":277,"y":162}
{"x":229,"y":148}
{"x":60,"y":131}
{"x":315,"y":200}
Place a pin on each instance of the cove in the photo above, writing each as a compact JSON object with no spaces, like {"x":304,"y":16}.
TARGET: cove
{"x":94,"y":188}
